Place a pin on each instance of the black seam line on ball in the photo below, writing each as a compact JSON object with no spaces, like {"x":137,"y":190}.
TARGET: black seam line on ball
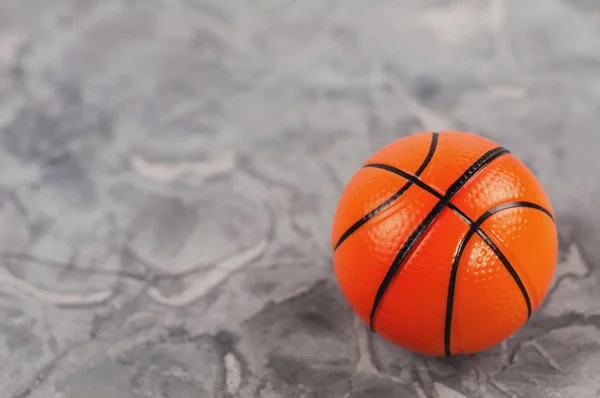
{"x":476,"y":228}
{"x":394,"y":197}
{"x":406,"y":248}
{"x":438,"y":195}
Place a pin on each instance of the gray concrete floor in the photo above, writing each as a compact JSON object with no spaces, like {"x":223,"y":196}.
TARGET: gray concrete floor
{"x":169,"y":171}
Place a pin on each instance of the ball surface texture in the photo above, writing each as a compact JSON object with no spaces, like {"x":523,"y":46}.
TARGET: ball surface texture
{"x":444,"y":243}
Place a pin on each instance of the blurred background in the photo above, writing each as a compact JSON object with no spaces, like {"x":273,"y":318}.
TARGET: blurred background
{"x":169,"y":171}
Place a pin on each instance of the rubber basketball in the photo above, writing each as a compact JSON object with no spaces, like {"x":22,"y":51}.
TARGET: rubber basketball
{"x":444,"y":243}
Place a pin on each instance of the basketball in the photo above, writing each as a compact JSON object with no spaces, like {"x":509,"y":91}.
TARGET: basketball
{"x":444,"y":243}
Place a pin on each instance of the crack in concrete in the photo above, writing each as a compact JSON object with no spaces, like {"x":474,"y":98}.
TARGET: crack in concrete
{"x":39,"y":377}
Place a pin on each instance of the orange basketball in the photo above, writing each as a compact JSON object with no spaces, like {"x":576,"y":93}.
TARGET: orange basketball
{"x":444,"y":243}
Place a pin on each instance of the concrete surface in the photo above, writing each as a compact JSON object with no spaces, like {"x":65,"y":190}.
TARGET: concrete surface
{"x":169,"y":170}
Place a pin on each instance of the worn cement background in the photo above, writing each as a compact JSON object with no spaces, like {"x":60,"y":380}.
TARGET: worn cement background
{"x":169,"y":170}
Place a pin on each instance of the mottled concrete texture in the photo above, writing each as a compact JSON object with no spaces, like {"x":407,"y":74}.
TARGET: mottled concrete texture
{"x":169,"y":171}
